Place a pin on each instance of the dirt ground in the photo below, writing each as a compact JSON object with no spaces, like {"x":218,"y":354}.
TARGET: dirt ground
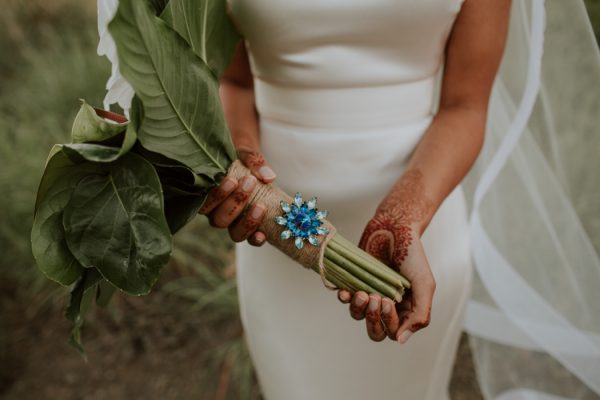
{"x":137,"y":348}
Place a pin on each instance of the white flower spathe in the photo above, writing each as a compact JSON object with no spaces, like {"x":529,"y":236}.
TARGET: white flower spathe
{"x":119,"y":91}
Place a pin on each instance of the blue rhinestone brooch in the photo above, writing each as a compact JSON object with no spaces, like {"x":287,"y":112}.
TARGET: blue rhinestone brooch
{"x":302,"y":221}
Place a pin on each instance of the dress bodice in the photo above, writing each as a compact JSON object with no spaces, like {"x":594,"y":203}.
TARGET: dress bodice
{"x":333,"y":43}
{"x":351,"y":64}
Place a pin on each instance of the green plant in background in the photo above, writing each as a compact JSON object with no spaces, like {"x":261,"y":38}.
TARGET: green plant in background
{"x":45,"y":73}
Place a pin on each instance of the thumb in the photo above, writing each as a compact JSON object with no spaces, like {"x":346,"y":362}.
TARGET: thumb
{"x":256,"y":163}
{"x":419,"y":316}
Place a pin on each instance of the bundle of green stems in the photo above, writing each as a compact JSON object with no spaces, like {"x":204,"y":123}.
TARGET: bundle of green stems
{"x":349,"y":267}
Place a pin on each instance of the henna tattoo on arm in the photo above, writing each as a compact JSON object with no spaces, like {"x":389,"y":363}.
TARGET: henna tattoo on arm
{"x":389,"y":233}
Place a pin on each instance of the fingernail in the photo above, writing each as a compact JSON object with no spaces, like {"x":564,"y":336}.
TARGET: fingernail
{"x":228,"y":184}
{"x":403,"y":337}
{"x":360,"y":300}
{"x":266,"y":172}
{"x":257,"y":211}
{"x":373,"y":304}
{"x":249,"y":183}
{"x":385,"y":307}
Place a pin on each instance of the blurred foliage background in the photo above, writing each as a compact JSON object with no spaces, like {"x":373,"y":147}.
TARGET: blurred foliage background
{"x":183,"y":341}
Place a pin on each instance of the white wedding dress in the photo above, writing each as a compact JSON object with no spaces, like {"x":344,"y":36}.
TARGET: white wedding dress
{"x":344,"y":90}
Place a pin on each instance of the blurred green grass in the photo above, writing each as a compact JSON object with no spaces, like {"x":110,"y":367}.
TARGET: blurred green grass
{"x":48,"y":63}
{"x":44,"y":72}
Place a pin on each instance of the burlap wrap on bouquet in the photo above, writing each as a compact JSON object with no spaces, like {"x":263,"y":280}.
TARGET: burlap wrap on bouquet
{"x":271,"y":196}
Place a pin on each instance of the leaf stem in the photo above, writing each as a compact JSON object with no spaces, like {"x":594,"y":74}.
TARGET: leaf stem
{"x":350,"y":280}
{"x":394,"y":293}
{"x":343,"y":246}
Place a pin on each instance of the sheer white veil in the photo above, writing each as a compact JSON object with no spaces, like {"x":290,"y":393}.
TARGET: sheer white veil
{"x":534,"y":316}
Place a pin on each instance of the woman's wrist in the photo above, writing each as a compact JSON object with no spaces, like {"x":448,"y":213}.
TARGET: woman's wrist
{"x":246,"y":140}
{"x":407,"y":204}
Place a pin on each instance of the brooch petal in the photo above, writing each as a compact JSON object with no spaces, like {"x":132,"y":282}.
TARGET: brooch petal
{"x":301,"y":221}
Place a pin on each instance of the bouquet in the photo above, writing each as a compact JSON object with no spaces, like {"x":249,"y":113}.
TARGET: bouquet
{"x":109,"y":202}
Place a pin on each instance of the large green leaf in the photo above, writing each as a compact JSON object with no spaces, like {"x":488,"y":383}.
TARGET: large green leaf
{"x":181,"y":205}
{"x":207,"y":28}
{"x":115,"y":222}
{"x":158,"y":5}
{"x":180,"y":210}
{"x":48,"y":242}
{"x":55,"y":167}
{"x":82,"y":294}
{"x":105,"y":292}
{"x":184,"y":191}
{"x":174,"y":169}
{"x":183,"y":117}
{"x":81,"y":152}
{"x":89,"y":127}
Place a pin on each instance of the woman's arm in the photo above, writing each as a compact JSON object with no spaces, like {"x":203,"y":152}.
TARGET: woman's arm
{"x":440,"y":161}
{"x":225,"y":203}
{"x":236,"y":88}
{"x":450,"y":146}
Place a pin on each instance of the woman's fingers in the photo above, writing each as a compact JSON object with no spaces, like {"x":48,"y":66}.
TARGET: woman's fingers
{"x":225,"y":203}
{"x":382,"y":319}
{"x":257,"y":239}
{"x":218,"y":194}
{"x":247,"y":223}
{"x":345,"y":296}
{"x":390,"y":318}
{"x":359,"y":305}
{"x":420,"y":314}
{"x":233,"y":205}
{"x":375,"y":328}
{"x":256,"y":164}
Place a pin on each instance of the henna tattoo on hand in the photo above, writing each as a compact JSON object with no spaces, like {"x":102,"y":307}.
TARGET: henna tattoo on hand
{"x":389,"y":233}
{"x":239,"y":199}
{"x":215,"y":197}
{"x":250,"y":158}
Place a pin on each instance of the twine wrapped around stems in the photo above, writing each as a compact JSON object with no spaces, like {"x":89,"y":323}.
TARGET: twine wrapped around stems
{"x":271,"y":196}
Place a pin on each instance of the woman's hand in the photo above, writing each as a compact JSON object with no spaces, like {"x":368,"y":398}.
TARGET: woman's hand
{"x":226,"y":203}
{"x":399,"y":247}
{"x":393,"y":236}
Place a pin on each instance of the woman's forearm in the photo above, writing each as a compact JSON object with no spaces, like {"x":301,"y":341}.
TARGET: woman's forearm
{"x":440,"y":161}
{"x":240,"y":113}
{"x":236,"y":90}
{"x":451,"y":144}
{"x":242,"y":119}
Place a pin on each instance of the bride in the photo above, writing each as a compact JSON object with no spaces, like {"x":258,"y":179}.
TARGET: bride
{"x":380,"y":109}
{"x":345,"y":99}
